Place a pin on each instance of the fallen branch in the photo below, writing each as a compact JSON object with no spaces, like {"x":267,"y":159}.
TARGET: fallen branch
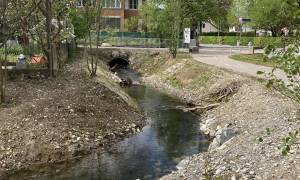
{"x":203,"y":108}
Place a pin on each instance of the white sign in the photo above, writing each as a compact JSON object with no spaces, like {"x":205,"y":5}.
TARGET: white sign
{"x":187,"y":35}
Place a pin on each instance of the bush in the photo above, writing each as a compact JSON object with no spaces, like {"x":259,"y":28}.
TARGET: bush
{"x":265,"y":41}
{"x":246,"y":34}
{"x":209,"y":40}
{"x":229,"y":40}
{"x":256,"y":41}
{"x":13,"y":50}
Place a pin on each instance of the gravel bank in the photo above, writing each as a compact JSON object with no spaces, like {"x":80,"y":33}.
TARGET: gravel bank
{"x":54,"y":120}
{"x":247,"y":128}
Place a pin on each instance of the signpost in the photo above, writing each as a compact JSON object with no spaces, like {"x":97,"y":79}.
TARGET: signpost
{"x":244,"y":20}
{"x":187,"y":35}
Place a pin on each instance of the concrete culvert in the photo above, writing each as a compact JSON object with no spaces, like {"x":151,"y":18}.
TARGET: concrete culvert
{"x":118,"y":63}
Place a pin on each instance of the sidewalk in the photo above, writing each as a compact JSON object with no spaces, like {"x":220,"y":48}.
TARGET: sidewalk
{"x":224,"y":61}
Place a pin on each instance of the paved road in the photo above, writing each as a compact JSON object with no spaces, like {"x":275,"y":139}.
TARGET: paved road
{"x":219,"y":56}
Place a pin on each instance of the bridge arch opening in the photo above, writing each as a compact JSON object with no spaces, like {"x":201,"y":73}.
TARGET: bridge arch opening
{"x":117,"y":63}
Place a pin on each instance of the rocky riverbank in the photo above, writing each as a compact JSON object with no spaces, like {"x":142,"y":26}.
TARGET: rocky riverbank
{"x":56,"y":120}
{"x":252,"y":128}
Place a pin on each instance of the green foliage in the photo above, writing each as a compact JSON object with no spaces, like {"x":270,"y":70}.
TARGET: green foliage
{"x":289,"y":62}
{"x":256,"y":41}
{"x":174,"y":82}
{"x":165,"y":18}
{"x":259,"y":59}
{"x":13,"y":50}
{"x":201,"y":81}
{"x":209,"y":39}
{"x":79,"y":22}
{"x":287,"y":142}
{"x":245,"y":34}
{"x":271,"y":16}
{"x":133,"y":24}
{"x":169,"y":17}
{"x":269,"y":49}
{"x":267,"y":41}
{"x":239,"y":8}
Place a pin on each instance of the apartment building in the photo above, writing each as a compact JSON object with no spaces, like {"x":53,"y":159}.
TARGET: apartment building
{"x":115,"y":12}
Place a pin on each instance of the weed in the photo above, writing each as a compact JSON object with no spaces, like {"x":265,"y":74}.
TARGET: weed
{"x":287,"y":142}
{"x":174,"y":82}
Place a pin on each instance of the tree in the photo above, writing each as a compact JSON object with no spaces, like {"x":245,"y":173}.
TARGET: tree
{"x":221,"y":14}
{"x":239,"y":8}
{"x":93,"y":20}
{"x":272,"y":16}
{"x":10,"y":21}
{"x":169,"y":17}
{"x":78,"y":17}
{"x":49,"y":26}
{"x":165,"y":18}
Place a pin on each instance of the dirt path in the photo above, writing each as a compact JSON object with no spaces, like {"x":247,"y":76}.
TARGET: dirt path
{"x":220,"y":57}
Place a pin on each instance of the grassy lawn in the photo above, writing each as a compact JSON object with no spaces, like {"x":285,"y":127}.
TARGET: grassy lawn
{"x":254,"y":59}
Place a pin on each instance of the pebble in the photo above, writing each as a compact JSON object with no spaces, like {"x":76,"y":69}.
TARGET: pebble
{"x":252,"y":173}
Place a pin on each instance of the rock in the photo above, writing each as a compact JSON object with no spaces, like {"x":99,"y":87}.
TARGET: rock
{"x":222,"y":136}
{"x":218,"y":171}
{"x":183,"y":163}
{"x":233,"y":177}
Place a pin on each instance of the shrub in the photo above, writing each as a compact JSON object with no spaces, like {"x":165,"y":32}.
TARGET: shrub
{"x":209,"y":40}
{"x":256,"y":41}
{"x":289,"y":62}
{"x":13,"y":50}
{"x":246,"y":34}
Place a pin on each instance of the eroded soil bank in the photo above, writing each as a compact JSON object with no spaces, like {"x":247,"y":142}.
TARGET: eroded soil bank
{"x":248,"y":124}
{"x":54,"y":120}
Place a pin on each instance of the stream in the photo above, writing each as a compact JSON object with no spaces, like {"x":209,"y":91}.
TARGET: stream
{"x":169,"y":136}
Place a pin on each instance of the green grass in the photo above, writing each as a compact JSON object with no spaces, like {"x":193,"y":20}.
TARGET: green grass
{"x":11,"y":58}
{"x":255,"y":59}
{"x":201,"y":80}
{"x":175,"y":82}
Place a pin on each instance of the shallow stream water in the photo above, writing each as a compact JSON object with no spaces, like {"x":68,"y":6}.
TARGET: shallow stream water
{"x":169,"y":136}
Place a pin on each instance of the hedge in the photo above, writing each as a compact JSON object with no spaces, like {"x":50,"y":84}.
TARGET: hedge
{"x":244,"y":34}
{"x":256,"y":41}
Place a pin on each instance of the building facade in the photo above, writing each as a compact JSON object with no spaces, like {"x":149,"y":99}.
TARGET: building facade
{"x":115,"y":12}
{"x":209,"y":27}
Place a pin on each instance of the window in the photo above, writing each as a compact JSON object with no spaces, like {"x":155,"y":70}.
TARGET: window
{"x":133,"y":4}
{"x":111,"y":22}
{"x":86,"y":2}
{"x":111,"y":3}
{"x":203,"y":25}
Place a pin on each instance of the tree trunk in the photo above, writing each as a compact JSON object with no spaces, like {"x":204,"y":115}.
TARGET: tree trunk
{"x":48,"y":31}
{"x":3,"y":76}
{"x":2,"y":89}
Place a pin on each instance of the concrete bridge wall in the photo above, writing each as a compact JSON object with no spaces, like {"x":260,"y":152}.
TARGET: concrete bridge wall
{"x":107,"y":55}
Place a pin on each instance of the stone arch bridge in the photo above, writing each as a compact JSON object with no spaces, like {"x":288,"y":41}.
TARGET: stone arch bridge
{"x":124,"y":56}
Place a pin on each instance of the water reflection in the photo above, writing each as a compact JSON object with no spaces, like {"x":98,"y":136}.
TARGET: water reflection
{"x":170,"y":135}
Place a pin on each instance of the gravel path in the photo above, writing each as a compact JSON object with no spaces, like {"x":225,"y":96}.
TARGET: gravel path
{"x":219,"y":56}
